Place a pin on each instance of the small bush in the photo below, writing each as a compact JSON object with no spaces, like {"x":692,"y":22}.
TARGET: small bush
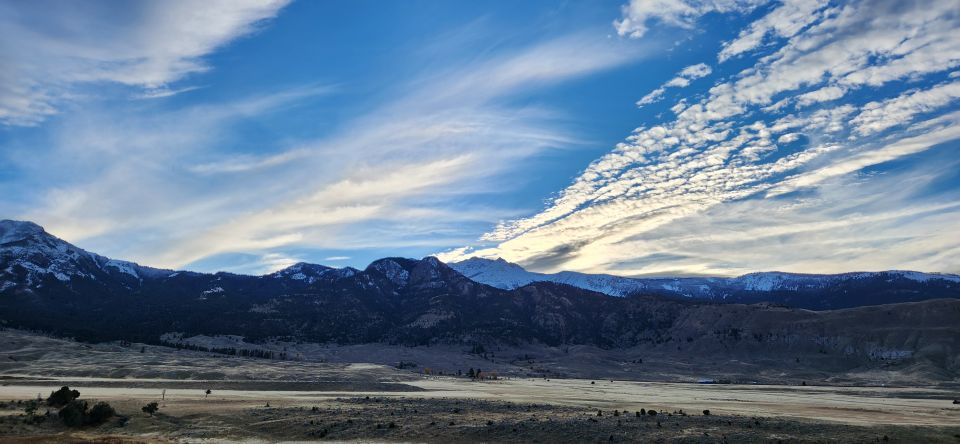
{"x":99,"y":414}
{"x":77,"y":413}
{"x":652,"y":412}
{"x":150,"y":408}
{"x":73,"y":413}
{"x":31,"y":407}
{"x":706,"y":413}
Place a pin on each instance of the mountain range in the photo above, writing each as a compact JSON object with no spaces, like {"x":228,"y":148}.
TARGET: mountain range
{"x":810,"y":291}
{"x":50,"y":285}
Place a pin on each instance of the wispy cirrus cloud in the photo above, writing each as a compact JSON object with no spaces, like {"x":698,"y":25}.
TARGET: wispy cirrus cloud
{"x":396,"y":176}
{"x":52,"y":49}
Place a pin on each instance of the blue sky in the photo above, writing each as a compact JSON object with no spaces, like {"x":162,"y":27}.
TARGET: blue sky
{"x":629,"y":137}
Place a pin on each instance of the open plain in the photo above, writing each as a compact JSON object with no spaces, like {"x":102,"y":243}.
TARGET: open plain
{"x":260,"y":400}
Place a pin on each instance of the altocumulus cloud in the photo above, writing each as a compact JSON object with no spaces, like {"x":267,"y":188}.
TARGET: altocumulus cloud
{"x":778,"y":165}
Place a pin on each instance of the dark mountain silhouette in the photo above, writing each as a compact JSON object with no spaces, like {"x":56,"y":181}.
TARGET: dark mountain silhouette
{"x":51,"y":285}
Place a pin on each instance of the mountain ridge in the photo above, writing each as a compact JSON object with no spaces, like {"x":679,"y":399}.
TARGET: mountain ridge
{"x":49,"y":285}
{"x":772,"y":286}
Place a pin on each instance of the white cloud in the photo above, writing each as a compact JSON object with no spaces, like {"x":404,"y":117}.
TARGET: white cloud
{"x":784,"y":21}
{"x":878,"y":116}
{"x":52,"y":50}
{"x":721,"y":151}
{"x":824,"y":94}
{"x":788,"y":138}
{"x":638,"y":14}
{"x":682,"y":79}
{"x":395,"y":177}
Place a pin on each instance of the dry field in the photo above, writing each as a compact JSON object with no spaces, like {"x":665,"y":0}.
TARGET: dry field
{"x":258,"y":400}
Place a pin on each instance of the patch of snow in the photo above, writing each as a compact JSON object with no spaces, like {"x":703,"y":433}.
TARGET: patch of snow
{"x":123,"y":267}
{"x":393,"y":271}
{"x":15,"y":231}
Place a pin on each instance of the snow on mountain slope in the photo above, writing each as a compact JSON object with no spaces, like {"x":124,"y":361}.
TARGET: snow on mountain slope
{"x":506,"y":275}
{"x":313,"y":273}
{"x":502,"y":274}
{"x":32,"y":259}
{"x":27,"y":250}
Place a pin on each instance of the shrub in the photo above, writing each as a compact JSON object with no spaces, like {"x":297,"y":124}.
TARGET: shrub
{"x":706,"y":413}
{"x":99,"y":414}
{"x":77,"y":413}
{"x":150,"y":408}
{"x":652,"y":412}
{"x":642,"y":412}
{"x":62,"y":397}
{"x":73,"y":413}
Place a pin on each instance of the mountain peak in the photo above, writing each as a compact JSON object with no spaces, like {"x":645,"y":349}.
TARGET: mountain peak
{"x":301,"y":267}
{"x":17,"y":230}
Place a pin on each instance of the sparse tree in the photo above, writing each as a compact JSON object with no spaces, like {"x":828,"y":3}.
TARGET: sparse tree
{"x":207,"y":393}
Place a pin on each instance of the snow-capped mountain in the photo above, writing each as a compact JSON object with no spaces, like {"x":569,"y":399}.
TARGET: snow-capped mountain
{"x":50,"y":285}
{"x":507,"y":275}
{"x":29,"y":256}
{"x":33,"y":261}
{"x":813,"y":291}
{"x":313,"y":273}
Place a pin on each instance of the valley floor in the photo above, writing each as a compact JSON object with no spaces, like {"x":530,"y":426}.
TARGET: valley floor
{"x":258,"y":400}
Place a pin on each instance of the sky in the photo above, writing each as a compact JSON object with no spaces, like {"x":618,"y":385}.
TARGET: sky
{"x":632,"y":137}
